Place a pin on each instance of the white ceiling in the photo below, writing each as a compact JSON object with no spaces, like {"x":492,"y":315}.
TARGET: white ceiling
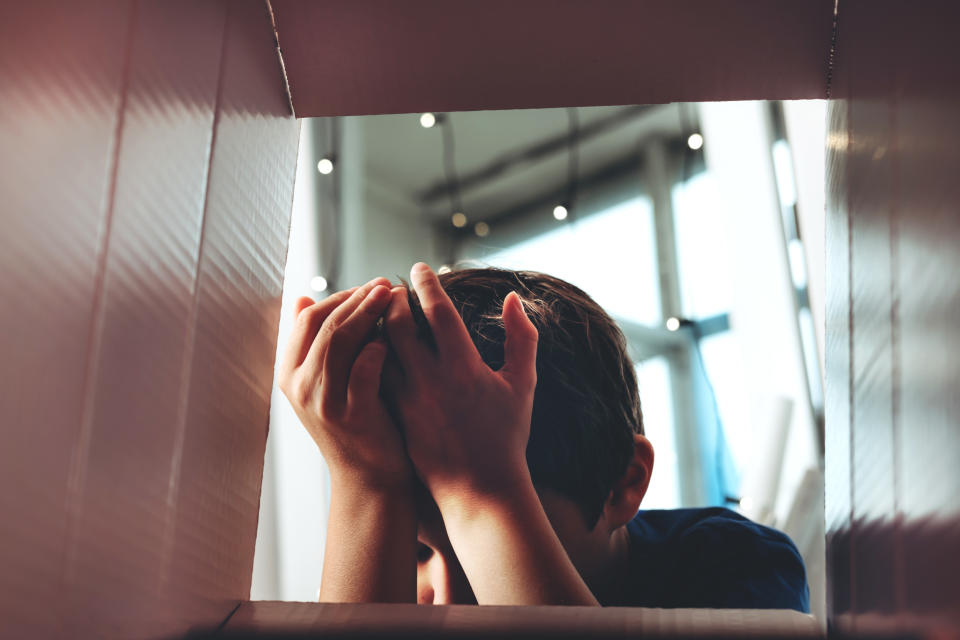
{"x":404,"y":159}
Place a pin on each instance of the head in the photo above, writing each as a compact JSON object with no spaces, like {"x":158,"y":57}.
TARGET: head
{"x":587,"y":455}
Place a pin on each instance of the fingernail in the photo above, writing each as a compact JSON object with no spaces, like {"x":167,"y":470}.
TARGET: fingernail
{"x":378,"y":292}
{"x":420,"y":267}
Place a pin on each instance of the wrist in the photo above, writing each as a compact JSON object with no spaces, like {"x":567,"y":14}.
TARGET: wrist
{"x":394,"y":483}
{"x":469,"y":500}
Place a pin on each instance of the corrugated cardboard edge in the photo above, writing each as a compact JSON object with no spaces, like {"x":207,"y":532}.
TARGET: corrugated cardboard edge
{"x":283,"y":66}
{"x":410,"y":620}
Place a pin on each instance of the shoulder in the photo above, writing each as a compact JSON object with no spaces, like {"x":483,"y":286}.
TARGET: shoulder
{"x":721,"y":534}
{"x":718,"y":558}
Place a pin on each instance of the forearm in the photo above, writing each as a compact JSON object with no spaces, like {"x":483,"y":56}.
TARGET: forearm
{"x":510,"y":552}
{"x":370,"y":553}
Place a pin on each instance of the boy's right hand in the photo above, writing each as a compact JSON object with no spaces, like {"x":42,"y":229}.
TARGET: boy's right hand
{"x":331,"y":375}
{"x":466,"y":425}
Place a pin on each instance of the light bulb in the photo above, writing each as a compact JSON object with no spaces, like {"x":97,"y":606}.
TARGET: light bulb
{"x":444,"y":269}
{"x":459,"y":220}
{"x":695,"y":141}
{"x":318,"y":283}
{"x":325,"y":166}
{"x":427,"y":120}
{"x":673,"y":324}
{"x":560,"y":212}
{"x":481,"y":229}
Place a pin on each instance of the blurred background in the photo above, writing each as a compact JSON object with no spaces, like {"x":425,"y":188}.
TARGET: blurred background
{"x":699,"y":227}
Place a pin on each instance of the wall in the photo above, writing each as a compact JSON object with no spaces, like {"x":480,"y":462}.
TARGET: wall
{"x":892,"y":317}
{"x":147,"y":158}
{"x":763,"y":319}
{"x":380,"y":233}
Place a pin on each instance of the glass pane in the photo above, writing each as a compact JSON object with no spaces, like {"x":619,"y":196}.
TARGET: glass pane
{"x":701,"y":247}
{"x":724,"y":368}
{"x":611,"y":255}
{"x":656,"y":401}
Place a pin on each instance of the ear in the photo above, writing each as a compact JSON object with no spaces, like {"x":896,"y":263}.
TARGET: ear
{"x":625,"y":498}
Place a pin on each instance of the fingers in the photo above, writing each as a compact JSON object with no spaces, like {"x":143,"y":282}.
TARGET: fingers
{"x":453,"y":340}
{"x":301,"y":304}
{"x":392,"y":382}
{"x":309,"y":319}
{"x":313,"y":361}
{"x":520,"y":348}
{"x":402,"y":330}
{"x":345,"y":344}
{"x":392,"y":385}
{"x":364,"y":384}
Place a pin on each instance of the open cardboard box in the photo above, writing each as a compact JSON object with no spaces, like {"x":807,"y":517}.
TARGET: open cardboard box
{"x":147,"y":158}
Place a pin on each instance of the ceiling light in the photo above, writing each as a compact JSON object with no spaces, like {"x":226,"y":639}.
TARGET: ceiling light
{"x":673,"y":324}
{"x":427,"y":120}
{"x":482,"y":229}
{"x":318,"y":283}
{"x":325,"y":166}
{"x":459,"y":220}
{"x":695,"y":141}
{"x":560,"y":212}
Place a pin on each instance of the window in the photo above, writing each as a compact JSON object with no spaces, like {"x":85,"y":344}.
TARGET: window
{"x":611,"y":255}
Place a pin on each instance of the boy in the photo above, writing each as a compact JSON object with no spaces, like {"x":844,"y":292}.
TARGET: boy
{"x":500,"y":459}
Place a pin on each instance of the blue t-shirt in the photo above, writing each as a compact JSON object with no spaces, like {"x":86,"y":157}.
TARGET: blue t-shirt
{"x":712,"y":558}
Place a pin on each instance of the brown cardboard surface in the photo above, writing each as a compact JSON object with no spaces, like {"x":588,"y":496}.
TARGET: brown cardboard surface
{"x":147,"y":157}
{"x":144,"y":317}
{"x":411,"y":620}
{"x":52,"y":246}
{"x":893,"y":309}
{"x":379,"y":56}
{"x":237,"y":311}
{"x":146,"y":164}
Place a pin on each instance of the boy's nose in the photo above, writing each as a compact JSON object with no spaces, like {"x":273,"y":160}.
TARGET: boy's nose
{"x":440,"y":580}
{"x":445,"y":583}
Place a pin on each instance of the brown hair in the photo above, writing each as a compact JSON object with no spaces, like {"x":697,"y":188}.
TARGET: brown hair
{"x":586,"y":406}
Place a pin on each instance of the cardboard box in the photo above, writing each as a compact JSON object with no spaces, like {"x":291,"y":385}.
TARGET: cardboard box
{"x":147,"y":157}
{"x":147,"y":154}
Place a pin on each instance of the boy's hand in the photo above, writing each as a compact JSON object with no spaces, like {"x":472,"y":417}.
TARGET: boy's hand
{"x":466,"y":425}
{"x":331,"y":375}
{"x":467,"y":429}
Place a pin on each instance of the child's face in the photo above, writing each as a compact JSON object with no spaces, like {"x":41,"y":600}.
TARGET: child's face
{"x":440,"y":578}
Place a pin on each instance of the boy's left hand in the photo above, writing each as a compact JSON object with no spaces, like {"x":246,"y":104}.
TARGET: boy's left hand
{"x":466,"y":426}
{"x":466,"y":430}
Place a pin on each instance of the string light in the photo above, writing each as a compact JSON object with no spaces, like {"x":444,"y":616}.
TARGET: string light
{"x":459,"y":220}
{"x":695,"y":141}
{"x":482,"y":229}
{"x":318,"y":283}
{"x":325,"y":166}
{"x":560,"y":212}
{"x":427,"y":120}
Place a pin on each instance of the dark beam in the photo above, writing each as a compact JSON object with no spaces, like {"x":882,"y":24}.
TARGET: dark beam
{"x":528,"y":155}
